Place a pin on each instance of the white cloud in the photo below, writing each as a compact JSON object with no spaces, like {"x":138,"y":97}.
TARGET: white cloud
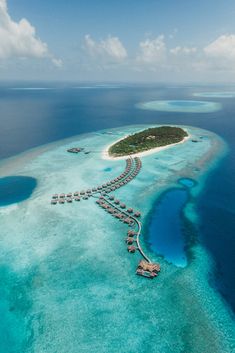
{"x":223,"y":46}
{"x":18,"y":39}
{"x":57,"y":62}
{"x":183,"y":50}
{"x":152,"y":51}
{"x":155,"y":55}
{"x":220,"y":53}
{"x":109,"y":48}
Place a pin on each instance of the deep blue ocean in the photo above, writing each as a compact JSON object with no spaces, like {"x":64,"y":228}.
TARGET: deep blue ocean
{"x":30,"y":118}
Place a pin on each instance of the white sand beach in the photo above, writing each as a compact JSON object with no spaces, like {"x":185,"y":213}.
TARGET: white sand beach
{"x":106,"y":155}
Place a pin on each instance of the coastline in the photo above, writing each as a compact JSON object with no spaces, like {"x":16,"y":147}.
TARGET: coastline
{"x":44,"y":240}
{"x":106,"y":155}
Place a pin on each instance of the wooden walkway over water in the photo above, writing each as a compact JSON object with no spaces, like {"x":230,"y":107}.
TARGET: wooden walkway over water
{"x":117,"y":209}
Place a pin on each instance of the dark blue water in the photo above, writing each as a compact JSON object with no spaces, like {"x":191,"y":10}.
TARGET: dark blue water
{"x":165,"y":227}
{"x":14,"y":189}
{"x":31,"y":118}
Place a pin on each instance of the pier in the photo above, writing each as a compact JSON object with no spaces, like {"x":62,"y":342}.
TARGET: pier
{"x":117,"y":209}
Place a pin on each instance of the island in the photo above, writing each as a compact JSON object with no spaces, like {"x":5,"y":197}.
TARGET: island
{"x":147,"y":139}
{"x":52,"y":253}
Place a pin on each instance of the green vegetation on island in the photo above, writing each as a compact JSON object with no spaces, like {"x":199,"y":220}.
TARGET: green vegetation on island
{"x":147,"y":139}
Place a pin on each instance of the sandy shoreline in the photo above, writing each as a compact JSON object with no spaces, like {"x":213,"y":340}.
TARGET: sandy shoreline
{"x":105,"y":154}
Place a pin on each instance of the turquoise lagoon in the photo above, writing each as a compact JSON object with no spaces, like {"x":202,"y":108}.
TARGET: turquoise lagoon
{"x":180,"y":106}
{"x":67,"y":281}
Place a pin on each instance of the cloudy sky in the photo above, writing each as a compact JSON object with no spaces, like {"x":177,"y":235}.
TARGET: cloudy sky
{"x":110,"y":40}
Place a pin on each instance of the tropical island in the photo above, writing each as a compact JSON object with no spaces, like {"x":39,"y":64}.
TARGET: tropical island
{"x":146,"y":140}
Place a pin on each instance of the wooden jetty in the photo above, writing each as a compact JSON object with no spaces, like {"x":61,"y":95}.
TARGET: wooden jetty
{"x":117,"y":209}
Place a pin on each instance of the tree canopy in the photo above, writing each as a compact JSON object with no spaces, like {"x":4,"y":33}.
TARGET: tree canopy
{"x":147,"y":139}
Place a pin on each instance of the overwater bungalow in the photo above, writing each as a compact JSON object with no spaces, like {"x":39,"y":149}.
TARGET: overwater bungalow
{"x":129,"y":221}
{"x":146,"y":274}
{"x":151,"y":267}
{"x":55,"y":196}
{"x":131,"y":248}
{"x":62,"y":196}
{"x":69,"y":194}
{"x":94,"y":189}
{"x":53,"y":202}
{"x":122,"y":205}
{"x":85,"y":197}
{"x":69,"y":200}
{"x":62,"y":201}
{"x":126,"y":220}
{"x":111,"y":197}
{"x":82,"y":192}
{"x":130,"y":210}
{"x":131,"y":233}
{"x":76,"y":193}
{"x":137,"y":214}
{"x":77,"y":198}
{"x":130,"y":240}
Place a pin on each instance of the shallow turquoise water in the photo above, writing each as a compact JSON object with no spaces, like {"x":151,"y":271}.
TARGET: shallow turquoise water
{"x":181,"y":106}
{"x":69,"y":284}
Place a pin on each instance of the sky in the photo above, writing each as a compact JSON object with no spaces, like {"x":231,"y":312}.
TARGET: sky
{"x":109,"y":40}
